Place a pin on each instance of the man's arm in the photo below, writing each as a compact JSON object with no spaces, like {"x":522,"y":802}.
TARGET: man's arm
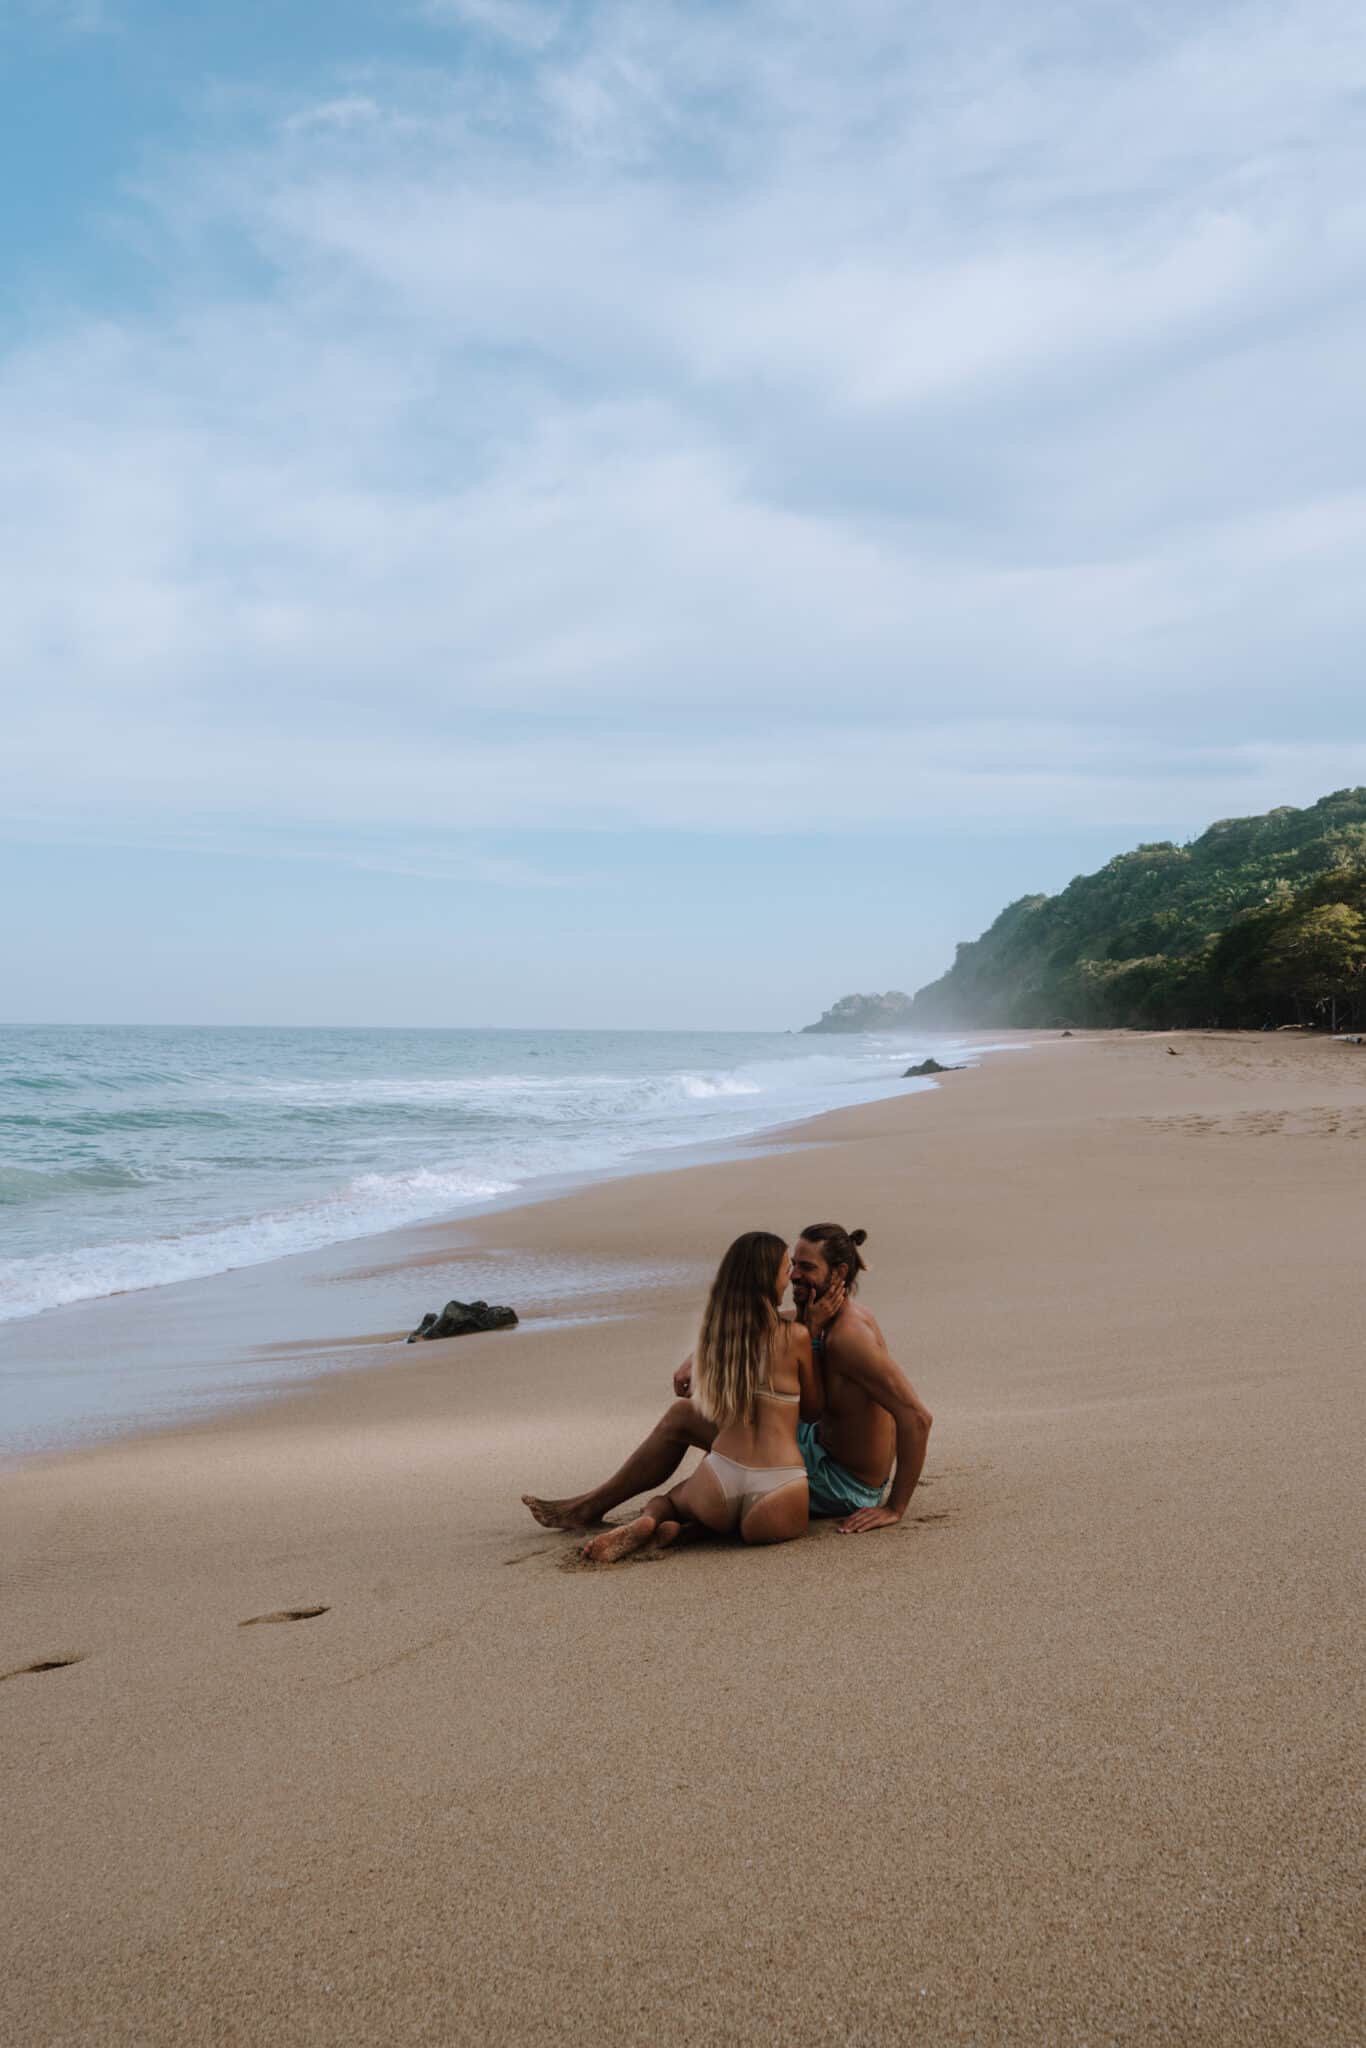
{"x":683,"y":1379}
{"x":871,"y":1366}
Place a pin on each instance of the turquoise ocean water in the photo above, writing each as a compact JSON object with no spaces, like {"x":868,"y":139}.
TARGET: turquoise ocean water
{"x":132,"y":1157}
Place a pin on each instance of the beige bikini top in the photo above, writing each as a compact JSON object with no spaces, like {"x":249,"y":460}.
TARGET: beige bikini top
{"x":767,"y":1393}
{"x":772,"y":1394}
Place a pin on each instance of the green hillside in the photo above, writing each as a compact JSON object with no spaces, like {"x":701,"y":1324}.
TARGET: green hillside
{"x":1258,"y":921}
{"x":889,"y":1012}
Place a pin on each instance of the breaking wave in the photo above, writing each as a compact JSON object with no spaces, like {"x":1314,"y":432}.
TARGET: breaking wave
{"x":136,"y":1158}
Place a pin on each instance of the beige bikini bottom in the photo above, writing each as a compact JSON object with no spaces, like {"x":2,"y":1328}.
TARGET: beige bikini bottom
{"x":743,"y":1486}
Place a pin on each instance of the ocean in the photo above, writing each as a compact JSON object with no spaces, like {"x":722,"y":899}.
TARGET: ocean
{"x":131,"y":1157}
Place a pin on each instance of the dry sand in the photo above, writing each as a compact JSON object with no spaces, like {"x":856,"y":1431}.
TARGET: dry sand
{"x":1068,"y":1757}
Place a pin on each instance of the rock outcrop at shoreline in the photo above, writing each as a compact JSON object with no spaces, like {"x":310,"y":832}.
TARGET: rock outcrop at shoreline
{"x":866,"y":1013}
{"x":463,"y":1319}
{"x":929,"y":1066}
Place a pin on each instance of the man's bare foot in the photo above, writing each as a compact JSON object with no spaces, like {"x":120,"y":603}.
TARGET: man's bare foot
{"x":614,"y":1544}
{"x":562,"y":1514}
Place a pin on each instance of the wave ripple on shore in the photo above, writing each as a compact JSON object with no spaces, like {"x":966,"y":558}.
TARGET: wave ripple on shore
{"x":136,"y":1156}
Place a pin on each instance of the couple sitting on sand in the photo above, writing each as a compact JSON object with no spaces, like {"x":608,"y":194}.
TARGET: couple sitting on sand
{"x":798,"y":1417}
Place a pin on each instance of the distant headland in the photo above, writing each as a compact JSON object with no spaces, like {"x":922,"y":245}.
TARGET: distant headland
{"x":1259,"y":922}
{"x":866,"y":1013}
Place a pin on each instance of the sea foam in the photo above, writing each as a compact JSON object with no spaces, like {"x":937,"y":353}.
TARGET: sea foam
{"x":136,"y":1158}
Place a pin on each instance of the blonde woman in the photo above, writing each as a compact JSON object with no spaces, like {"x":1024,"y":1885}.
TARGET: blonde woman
{"x":753,"y":1376}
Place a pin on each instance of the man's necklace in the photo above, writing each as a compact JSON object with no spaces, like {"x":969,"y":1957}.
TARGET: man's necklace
{"x":818,"y":1337}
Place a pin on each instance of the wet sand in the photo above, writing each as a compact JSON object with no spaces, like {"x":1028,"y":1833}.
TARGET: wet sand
{"x":1068,"y":1757}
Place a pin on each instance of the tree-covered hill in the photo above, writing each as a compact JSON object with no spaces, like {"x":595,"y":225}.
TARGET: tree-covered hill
{"x":866,"y":1013}
{"x":1258,"y":921}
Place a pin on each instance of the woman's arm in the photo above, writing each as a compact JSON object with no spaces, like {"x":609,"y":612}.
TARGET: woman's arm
{"x":810,"y":1378}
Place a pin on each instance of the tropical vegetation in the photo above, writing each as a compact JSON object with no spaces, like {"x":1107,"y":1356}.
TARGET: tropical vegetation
{"x":1258,"y":922}
{"x":867,"y":1013}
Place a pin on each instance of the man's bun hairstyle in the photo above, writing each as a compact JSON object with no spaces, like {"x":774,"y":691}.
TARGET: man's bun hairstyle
{"x":840,"y":1247}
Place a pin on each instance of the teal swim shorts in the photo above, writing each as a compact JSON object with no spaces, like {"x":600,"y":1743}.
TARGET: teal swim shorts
{"x":833,"y":1491}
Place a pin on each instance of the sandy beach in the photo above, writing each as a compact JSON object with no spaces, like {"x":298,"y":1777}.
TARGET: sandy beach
{"x":1069,"y":1756}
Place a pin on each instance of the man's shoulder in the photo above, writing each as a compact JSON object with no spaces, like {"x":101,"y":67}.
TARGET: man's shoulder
{"x":853,"y":1332}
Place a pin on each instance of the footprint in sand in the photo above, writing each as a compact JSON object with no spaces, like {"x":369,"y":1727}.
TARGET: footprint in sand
{"x":285,"y":1614}
{"x":42,"y":1664}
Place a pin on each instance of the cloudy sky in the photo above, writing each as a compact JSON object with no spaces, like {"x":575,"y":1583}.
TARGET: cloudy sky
{"x":521,"y":513}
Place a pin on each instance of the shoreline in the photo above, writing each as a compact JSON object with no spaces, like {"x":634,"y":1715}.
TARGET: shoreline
{"x":463,"y":1139}
{"x":1066,"y":1756}
{"x":282,"y":1289}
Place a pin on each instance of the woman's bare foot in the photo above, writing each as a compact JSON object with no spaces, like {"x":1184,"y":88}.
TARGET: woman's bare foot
{"x":562,"y":1514}
{"x":614,"y":1544}
{"x":684,"y":1532}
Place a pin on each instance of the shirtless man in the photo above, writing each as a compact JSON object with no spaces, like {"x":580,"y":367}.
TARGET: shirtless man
{"x":872,"y":1413}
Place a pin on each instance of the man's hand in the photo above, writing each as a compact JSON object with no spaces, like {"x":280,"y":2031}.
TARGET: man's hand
{"x":683,"y":1380}
{"x":822,"y":1309}
{"x":869,"y":1518}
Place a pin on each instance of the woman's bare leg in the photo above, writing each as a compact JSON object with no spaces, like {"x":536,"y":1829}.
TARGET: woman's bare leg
{"x":698,"y":1503}
{"x":679,"y":1429}
{"x":614,"y":1544}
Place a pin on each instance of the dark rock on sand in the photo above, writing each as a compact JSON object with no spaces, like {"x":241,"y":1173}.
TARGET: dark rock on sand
{"x":928,"y":1067}
{"x":463,"y":1319}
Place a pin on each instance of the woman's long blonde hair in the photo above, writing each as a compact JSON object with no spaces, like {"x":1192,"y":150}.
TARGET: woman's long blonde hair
{"x":731,"y":1359}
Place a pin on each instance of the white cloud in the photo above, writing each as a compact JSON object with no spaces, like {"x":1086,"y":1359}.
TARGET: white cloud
{"x":348,"y":110}
{"x":417,"y":803}
{"x":73,"y":17}
{"x":525,"y":24}
{"x":715,"y":420}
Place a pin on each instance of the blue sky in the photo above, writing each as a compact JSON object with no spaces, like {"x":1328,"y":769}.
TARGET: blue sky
{"x":654,"y":514}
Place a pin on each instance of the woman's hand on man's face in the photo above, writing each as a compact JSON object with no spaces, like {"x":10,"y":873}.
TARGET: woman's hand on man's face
{"x":822,"y":1309}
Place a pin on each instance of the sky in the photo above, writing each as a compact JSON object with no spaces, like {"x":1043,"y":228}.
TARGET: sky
{"x":647,"y":514}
